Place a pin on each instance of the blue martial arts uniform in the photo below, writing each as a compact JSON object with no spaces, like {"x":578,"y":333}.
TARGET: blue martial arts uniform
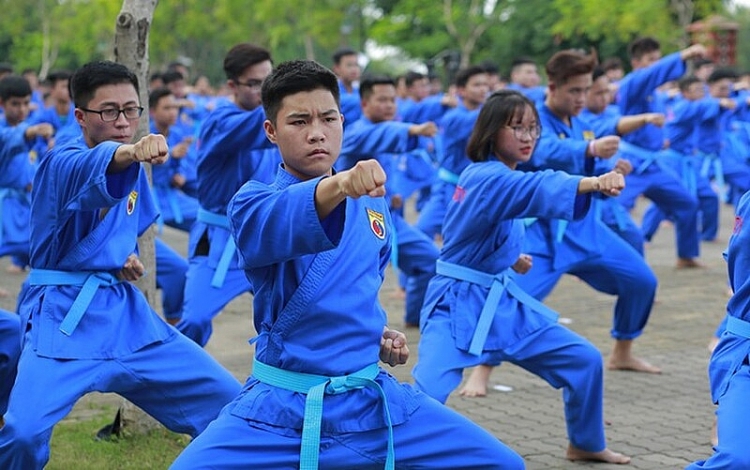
{"x":171,"y":267}
{"x":85,"y":330}
{"x":729,"y":369}
{"x":317,"y":312}
{"x":232,"y":149}
{"x":176,"y":208}
{"x":416,"y":254}
{"x":585,"y":248}
{"x":683,"y":129}
{"x":536,"y":94}
{"x":456,"y":127}
{"x":16,"y":175}
{"x":612,"y":213}
{"x":474,"y":311}
{"x":651,"y":177}
{"x":10,"y":350}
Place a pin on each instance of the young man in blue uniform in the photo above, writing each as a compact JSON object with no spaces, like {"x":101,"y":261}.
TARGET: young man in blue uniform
{"x":232,"y":149}
{"x":315,"y":246}
{"x":607,"y":120}
{"x":377,"y":136}
{"x":636,"y":96}
{"x":472,"y":87}
{"x":17,"y":166}
{"x":683,"y":129}
{"x":87,"y":327}
{"x":729,"y":369}
{"x":474,"y":312}
{"x":587,"y":248}
{"x":176,"y":208}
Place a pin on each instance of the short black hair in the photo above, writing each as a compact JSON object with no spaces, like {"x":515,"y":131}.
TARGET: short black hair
{"x":368,"y":82}
{"x":292,"y":77}
{"x":89,"y":78}
{"x":156,"y":95}
{"x":411,"y":76}
{"x":643,"y":46}
{"x":685,"y":82}
{"x":464,"y":75}
{"x":58,"y":76}
{"x":598,"y":72}
{"x":343,"y":52}
{"x":14,"y":86}
{"x":612,"y":63}
{"x":723,"y":73}
{"x":241,"y":56}
{"x":171,"y":76}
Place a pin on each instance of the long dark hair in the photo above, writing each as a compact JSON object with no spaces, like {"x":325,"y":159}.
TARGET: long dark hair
{"x":497,"y":112}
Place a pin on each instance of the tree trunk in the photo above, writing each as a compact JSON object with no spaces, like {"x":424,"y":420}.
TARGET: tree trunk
{"x":131,"y":49}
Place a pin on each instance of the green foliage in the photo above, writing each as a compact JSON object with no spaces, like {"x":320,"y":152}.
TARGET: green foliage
{"x":77,"y":31}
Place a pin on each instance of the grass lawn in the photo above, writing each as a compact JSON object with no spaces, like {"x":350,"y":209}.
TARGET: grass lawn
{"x":74,"y":445}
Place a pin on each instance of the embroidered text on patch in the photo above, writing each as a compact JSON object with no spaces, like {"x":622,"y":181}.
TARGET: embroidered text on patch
{"x":377,"y":223}
{"x":131,"y":201}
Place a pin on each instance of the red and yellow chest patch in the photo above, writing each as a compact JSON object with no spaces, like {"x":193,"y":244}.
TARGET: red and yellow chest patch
{"x":377,"y":223}
{"x":132,"y":197}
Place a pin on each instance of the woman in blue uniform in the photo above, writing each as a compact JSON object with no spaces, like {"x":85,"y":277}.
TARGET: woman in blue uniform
{"x":474,"y":312}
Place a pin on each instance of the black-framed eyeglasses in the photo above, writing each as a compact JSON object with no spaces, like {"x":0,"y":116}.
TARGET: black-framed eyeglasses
{"x":112,"y":114}
{"x":534,"y":132}
{"x":252,"y":83}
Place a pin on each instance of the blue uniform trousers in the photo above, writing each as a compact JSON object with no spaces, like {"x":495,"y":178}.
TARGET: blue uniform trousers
{"x":666,"y":190}
{"x":708,"y":202}
{"x":203,"y":301}
{"x":617,"y":271}
{"x":729,"y":367}
{"x":417,"y":255}
{"x":431,"y":217}
{"x":434,"y":437}
{"x":10,"y":349}
{"x":176,"y":382}
{"x":171,"y":269}
{"x":559,"y":356}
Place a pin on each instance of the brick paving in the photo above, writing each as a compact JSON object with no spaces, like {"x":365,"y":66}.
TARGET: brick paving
{"x":662,"y":421}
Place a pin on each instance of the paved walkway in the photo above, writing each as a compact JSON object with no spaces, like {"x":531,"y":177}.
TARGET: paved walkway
{"x":662,"y":421}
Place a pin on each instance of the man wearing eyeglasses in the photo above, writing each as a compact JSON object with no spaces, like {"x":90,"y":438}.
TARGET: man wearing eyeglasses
{"x":87,"y":327}
{"x":232,"y":149}
{"x":587,"y":248}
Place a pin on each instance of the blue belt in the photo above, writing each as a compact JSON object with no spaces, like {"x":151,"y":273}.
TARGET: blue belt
{"x":738,"y":326}
{"x":315,"y":387}
{"x":497,"y":283}
{"x":447,"y":176}
{"x":222,"y":221}
{"x":89,"y":281}
{"x":647,"y":156}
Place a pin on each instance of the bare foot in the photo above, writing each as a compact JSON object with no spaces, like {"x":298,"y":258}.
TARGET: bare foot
{"x":4,"y":293}
{"x":476,"y":385}
{"x":632,"y":363}
{"x":606,"y":456}
{"x":688,"y":263}
{"x":14,"y":269}
{"x":473,"y":390}
{"x":173,"y":321}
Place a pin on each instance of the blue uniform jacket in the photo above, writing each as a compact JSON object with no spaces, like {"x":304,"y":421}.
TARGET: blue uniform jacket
{"x":84,"y":219}
{"x":482,"y":231}
{"x":636,"y":95}
{"x":342,"y":260}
